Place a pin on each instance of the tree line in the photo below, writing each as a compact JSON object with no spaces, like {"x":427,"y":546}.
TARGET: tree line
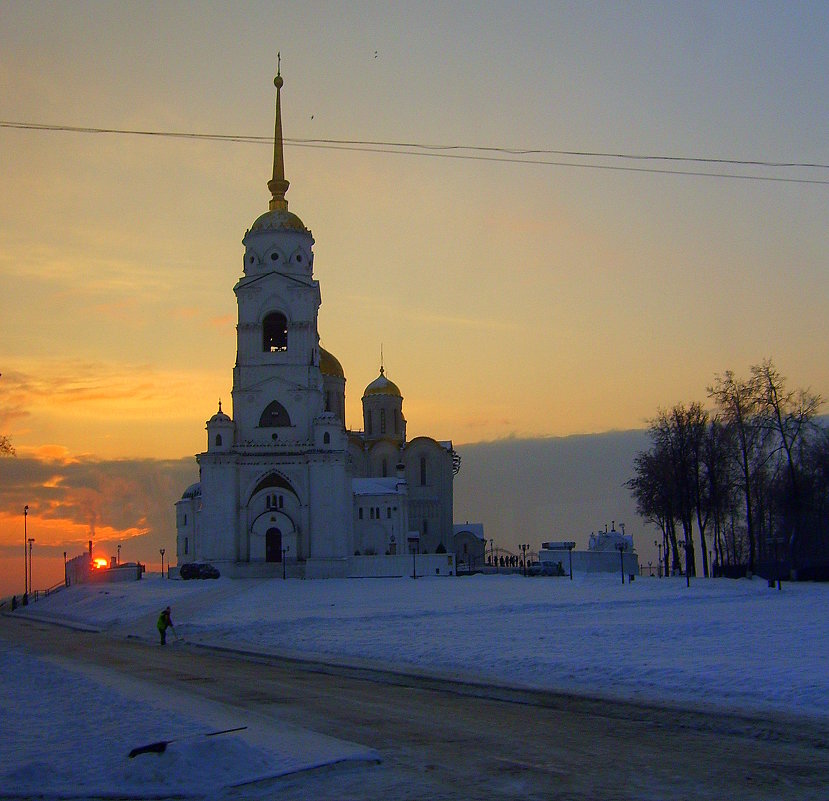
{"x":749,"y":479}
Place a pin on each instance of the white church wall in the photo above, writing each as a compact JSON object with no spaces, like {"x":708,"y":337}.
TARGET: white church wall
{"x":401,"y":565}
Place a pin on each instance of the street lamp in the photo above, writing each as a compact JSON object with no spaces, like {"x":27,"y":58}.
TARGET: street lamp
{"x":161,"y":551}
{"x":118,"y":558}
{"x":25,"y":558}
{"x":284,"y":553}
{"x":621,"y":547}
{"x":658,"y":545}
{"x":492,"y":552}
{"x":31,"y":585}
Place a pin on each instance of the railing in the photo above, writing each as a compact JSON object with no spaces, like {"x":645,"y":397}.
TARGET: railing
{"x":61,"y":585}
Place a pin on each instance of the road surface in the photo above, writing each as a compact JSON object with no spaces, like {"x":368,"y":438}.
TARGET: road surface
{"x":456,"y":740}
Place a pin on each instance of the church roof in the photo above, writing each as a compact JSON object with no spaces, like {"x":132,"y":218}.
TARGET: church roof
{"x":382,"y":386}
{"x":278,"y":220}
{"x":193,"y":491}
{"x":219,"y":417}
{"x":330,"y":365}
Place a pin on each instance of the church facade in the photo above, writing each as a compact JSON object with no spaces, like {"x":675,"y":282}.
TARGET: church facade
{"x":284,"y":488}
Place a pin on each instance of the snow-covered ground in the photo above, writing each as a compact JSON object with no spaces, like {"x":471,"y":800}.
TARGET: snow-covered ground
{"x":727,"y":644}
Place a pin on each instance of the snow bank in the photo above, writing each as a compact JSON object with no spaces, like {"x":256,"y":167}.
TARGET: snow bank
{"x":731,"y":644}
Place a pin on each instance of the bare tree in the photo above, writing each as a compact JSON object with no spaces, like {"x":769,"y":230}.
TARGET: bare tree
{"x":6,"y":448}
{"x":738,"y":403}
{"x":787,"y":416}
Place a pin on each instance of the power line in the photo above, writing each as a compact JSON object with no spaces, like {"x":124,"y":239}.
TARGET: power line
{"x":473,"y":152}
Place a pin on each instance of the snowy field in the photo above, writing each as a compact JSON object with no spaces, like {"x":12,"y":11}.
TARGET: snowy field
{"x":732,"y":645}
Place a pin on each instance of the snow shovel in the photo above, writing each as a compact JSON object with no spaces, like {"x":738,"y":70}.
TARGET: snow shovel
{"x":161,"y":746}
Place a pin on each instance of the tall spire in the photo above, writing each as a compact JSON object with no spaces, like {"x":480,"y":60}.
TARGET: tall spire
{"x":278,"y":185}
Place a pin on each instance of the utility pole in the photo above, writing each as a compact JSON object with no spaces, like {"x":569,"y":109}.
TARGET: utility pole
{"x":25,"y":558}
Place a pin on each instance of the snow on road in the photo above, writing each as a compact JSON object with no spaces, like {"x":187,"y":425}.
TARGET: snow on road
{"x":728,"y":644}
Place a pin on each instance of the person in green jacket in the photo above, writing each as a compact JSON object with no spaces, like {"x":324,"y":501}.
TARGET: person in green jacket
{"x":164,"y":621}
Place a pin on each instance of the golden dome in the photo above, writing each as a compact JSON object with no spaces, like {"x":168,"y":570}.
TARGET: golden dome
{"x":278,"y":220}
{"x":382,"y":386}
{"x":330,"y":365}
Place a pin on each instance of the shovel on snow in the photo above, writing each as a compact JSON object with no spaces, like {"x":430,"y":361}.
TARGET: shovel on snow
{"x":161,"y":746}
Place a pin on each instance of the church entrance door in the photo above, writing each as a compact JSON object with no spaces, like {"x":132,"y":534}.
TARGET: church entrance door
{"x":273,"y":545}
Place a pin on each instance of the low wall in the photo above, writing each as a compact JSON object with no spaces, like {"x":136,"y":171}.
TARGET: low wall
{"x":593,"y":561}
{"x":431,"y":564}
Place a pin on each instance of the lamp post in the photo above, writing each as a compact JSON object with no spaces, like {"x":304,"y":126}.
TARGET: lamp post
{"x":524,"y":548}
{"x":65,"y":577}
{"x":31,"y":586}
{"x":118,"y":558}
{"x":492,"y":552}
{"x":161,"y":551}
{"x":284,"y":554}
{"x":621,"y":547}
{"x":25,"y":558}
{"x":659,"y":563}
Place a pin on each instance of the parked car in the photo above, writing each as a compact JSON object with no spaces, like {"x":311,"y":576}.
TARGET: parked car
{"x":198,"y":570}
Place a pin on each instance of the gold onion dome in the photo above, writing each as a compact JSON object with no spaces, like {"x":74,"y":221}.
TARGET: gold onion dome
{"x":278,"y":220}
{"x":382,"y":386}
{"x":330,"y":365}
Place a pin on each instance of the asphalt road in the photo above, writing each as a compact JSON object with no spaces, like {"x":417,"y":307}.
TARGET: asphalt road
{"x":442,"y":739}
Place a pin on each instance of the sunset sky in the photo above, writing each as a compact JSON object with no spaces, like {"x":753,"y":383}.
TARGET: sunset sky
{"x":511,"y":300}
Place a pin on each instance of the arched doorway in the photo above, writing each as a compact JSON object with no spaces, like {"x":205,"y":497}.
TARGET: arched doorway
{"x":273,"y":545}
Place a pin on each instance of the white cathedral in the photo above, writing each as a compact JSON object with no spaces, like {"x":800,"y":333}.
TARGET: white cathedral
{"x":283,"y":485}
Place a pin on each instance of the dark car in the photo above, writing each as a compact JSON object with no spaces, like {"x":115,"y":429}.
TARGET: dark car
{"x":198,"y":570}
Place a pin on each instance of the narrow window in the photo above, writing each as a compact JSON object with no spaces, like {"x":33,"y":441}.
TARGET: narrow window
{"x":218,"y":439}
{"x":388,"y":512}
{"x":275,"y":332}
{"x":377,"y":512}
{"x":186,"y":545}
{"x":425,"y":527}
{"x":361,"y":513}
{"x":382,"y":421}
{"x":385,"y":467}
{"x":371,"y":511}
{"x":396,"y":422}
{"x":185,"y":520}
{"x":281,"y":501}
{"x":328,"y":401}
{"x":326,"y":438}
{"x":422,"y":471}
{"x":368,"y":422}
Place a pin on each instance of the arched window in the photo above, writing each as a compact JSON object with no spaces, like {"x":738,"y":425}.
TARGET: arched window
{"x":368,"y":422}
{"x":382,"y":421}
{"x":326,"y":438}
{"x":396,"y":422}
{"x":385,"y":467}
{"x":275,"y":415}
{"x":422,"y":471}
{"x":218,"y":439}
{"x":275,"y":332}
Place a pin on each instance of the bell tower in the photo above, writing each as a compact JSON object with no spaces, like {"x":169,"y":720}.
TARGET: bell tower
{"x":277,"y":384}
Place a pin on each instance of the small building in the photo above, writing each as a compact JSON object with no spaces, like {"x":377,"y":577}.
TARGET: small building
{"x":470,"y":545}
{"x":602,"y":554}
